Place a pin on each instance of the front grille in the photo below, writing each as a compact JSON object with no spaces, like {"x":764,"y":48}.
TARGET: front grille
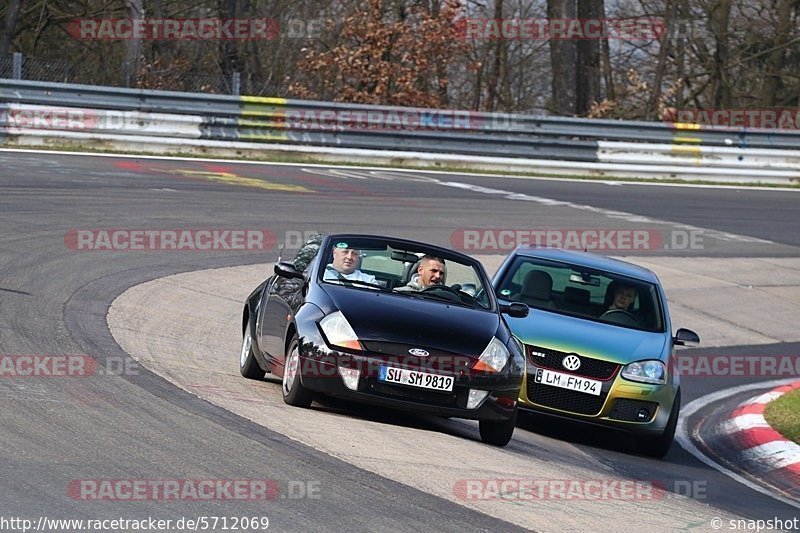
{"x":437,"y":361}
{"x":628,"y":410}
{"x":590,"y":368}
{"x":565,"y":400}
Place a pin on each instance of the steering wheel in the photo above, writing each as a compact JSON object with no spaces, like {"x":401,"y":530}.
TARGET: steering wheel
{"x":448,"y":290}
{"x":615,"y":314}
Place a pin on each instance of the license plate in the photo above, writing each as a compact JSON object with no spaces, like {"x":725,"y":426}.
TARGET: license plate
{"x":414,"y":378}
{"x":568,"y":381}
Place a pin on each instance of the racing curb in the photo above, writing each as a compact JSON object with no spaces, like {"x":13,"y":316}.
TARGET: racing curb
{"x":763,"y":451}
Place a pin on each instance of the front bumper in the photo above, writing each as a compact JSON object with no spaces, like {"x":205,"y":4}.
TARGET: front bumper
{"x":637,"y":408}
{"x":318,"y":373}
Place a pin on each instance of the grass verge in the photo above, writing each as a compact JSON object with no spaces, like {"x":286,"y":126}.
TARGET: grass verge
{"x":783,"y":414}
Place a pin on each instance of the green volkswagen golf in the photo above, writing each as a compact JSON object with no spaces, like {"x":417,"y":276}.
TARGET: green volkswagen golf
{"x":598,"y":342}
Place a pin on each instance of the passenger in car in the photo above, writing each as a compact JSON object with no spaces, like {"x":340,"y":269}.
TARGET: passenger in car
{"x":345,"y":265}
{"x":431,"y":271}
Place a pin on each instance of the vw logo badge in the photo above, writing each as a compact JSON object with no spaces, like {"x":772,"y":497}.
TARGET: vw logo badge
{"x":571,"y":362}
{"x":419,"y":352}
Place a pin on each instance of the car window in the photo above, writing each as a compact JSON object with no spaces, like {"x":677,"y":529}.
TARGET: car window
{"x":307,"y":252}
{"x":393,"y":267}
{"x":585,"y":293}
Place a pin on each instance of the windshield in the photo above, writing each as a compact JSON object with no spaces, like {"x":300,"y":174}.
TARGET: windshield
{"x":582,"y":292}
{"x":405,"y":270}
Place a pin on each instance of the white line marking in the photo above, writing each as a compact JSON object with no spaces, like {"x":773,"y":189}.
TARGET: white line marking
{"x":772,"y":455}
{"x":610,"y":213}
{"x":742,"y":423}
{"x":766,"y":397}
{"x":686,"y":442}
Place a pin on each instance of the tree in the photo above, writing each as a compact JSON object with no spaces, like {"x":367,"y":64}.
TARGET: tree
{"x":773,"y":79}
{"x":587,"y":78}
{"x":498,"y":83}
{"x":718,"y":23}
{"x":12,"y":16}
{"x":663,"y":50}
{"x":228,"y":54}
{"x":384,"y":57}
{"x":133,"y":46}
{"x":564,"y":61}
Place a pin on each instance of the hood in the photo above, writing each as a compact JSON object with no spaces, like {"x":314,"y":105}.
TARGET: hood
{"x":387,"y":318}
{"x":588,"y":338}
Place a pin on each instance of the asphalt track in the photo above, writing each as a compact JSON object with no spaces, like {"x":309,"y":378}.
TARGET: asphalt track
{"x":137,"y":425}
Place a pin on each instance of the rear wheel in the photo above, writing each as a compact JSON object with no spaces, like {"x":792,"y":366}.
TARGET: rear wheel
{"x":498,"y":432}
{"x":293,"y":391}
{"x":248,"y":366}
{"x":659,"y":446}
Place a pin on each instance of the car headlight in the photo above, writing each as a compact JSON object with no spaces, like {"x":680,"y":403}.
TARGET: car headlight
{"x":338,"y":332}
{"x":646,"y":372}
{"x":493,"y":358}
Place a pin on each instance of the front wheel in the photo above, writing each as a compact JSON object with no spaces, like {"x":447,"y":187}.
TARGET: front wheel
{"x":248,"y":366}
{"x":293,"y":391}
{"x":498,"y":432}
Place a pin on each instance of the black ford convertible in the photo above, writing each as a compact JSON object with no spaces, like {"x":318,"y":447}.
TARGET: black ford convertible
{"x":350,"y":317}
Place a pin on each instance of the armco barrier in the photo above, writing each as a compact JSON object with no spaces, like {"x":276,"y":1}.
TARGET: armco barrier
{"x":34,"y":113}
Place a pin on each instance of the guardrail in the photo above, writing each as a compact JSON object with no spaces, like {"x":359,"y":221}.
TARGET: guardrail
{"x":51,"y":113}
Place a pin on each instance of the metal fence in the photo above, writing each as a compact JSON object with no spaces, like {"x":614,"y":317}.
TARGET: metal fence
{"x":16,"y":67}
{"x":159,"y":120}
{"x":19,"y":67}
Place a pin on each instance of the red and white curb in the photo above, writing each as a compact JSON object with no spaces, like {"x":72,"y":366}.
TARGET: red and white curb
{"x":762,"y":450}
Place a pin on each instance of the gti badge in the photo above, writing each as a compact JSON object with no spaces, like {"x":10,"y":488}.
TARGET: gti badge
{"x":539,"y":354}
{"x":419,"y":352}
{"x":571,"y":362}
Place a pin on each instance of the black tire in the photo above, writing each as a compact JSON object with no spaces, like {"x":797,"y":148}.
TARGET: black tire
{"x":248,"y":366}
{"x":498,"y":432}
{"x":293,"y":391}
{"x":659,"y":446}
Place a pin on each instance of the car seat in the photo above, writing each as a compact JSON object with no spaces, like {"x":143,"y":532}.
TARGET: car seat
{"x":576,"y":300}
{"x":536,"y":290}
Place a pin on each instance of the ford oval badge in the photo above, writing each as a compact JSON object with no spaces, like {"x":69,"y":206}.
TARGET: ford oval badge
{"x":419,"y":352}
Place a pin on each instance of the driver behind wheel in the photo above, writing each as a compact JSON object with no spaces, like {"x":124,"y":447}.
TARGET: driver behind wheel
{"x":624,"y":296}
{"x":431,"y":271}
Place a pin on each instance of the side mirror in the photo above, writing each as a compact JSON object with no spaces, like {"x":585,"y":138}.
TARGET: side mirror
{"x":516,"y":309}
{"x":285,"y":269}
{"x":686,"y":337}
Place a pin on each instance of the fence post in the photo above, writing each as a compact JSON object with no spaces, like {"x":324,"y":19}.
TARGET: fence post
{"x":236,"y":83}
{"x":16,"y":66}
